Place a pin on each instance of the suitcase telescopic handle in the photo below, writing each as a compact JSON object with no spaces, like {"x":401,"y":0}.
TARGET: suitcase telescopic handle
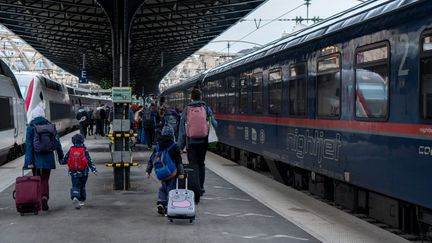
{"x":186,"y":182}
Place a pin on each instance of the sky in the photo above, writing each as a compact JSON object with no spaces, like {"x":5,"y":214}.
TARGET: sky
{"x":269,"y":31}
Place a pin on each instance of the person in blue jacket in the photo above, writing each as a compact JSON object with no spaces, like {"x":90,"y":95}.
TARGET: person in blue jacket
{"x":41,"y":163}
{"x":196,"y":147}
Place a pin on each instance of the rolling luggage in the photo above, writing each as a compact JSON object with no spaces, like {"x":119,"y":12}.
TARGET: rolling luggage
{"x":191,"y":171}
{"x":181,"y":204}
{"x":27,"y":194}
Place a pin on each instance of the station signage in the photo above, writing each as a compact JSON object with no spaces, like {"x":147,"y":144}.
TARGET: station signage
{"x":122,"y":94}
{"x":83,"y":77}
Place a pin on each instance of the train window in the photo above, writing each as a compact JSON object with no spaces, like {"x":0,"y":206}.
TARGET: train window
{"x":6,"y":122}
{"x":372,"y":81}
{"x":243,"y":95}
{"x":231,"y":89}
{"x":52,"y":85}
{"x":328,"y":87}
{"x":426,"y":78}
{"x":221,"y":95}
{"x":70,"y":91}
{"x":275,"y":91}
{"x":212,"y":94}
{"x":59,"y":111}
{"x":257,"y":92}
{"x":297,"y":90}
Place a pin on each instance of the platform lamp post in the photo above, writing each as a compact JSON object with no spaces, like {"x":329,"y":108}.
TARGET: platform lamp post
{"x":120,"y":13}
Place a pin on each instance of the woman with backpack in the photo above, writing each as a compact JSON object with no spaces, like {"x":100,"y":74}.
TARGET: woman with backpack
{"x":41,"y":142}
{"x":193,"y":132}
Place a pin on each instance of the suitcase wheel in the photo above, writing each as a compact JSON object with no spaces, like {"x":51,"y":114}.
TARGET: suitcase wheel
{"x":191,"y":221}
{"x":171,"y":220}
{"x":22,"y":214}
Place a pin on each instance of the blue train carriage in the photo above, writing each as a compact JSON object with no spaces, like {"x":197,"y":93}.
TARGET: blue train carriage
{"x":178,"y":95}
{"x":342,"y":109}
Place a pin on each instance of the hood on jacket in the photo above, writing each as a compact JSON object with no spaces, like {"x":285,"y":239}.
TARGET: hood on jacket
{"x":37,"y":112}
{"x":197,"y":102}
{"x":39,"y":121}
{"x":165,"y":142}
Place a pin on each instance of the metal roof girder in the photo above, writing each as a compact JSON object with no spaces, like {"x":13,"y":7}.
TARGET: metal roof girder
{"x":199,"y":15}
{"x":194,"y":23}
{"x":45,"y":17}
{"x":224,"y":5}
{"x":25,"y":21}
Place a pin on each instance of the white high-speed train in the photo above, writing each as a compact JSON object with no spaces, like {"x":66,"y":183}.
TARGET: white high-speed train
{"x":61,"y":103}
{"x":13,"y":116}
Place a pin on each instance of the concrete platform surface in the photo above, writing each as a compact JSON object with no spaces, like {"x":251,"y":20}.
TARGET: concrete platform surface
{"x":225,"y":213}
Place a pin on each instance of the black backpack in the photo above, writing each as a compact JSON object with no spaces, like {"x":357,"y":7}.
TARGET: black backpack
{"x":44,"y":139}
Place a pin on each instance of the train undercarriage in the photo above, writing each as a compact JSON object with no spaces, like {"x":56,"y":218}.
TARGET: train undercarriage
{"x":410,"y":221}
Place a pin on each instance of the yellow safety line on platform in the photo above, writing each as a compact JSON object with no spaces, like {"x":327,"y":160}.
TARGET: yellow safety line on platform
{"x":122,"y":164}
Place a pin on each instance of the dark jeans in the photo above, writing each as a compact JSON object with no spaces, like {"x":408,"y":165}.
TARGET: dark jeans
{"x":164,"y":190}
{"x":149,"y":135}
{"x":196,"y":155}
{"x":83,"y":129}
{"x":90,"y":129}
{"x":100,"y":127}
{"x":78,"y":190}
{"x":45,"y":175}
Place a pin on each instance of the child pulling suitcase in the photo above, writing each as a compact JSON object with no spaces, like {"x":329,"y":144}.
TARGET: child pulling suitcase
{"x":181,"y":203}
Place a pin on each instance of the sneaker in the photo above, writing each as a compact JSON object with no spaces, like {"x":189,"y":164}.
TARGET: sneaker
{"x":45,"y":204}
{"x":161,"y":209}
{"x":76,"y":203}
{"x":81,"y":203}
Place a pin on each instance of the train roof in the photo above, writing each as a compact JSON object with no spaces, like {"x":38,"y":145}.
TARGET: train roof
{"x":187,"y":83}
{"x":341,"y":21}
{"x":8,"y":72}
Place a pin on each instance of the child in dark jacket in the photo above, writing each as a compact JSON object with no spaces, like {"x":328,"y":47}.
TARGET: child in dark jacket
{"x":166,"y":142}
{"x":79,"y":161}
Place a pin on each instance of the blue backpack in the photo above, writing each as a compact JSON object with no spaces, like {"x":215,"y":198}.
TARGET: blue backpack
{"x":165,"y":168}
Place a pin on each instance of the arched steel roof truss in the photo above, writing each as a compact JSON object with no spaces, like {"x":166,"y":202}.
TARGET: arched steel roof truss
{"x":163,"y":32}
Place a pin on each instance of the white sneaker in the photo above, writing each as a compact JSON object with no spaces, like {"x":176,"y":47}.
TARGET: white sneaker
{"x":76,"y":203}
{"x":81,"y":204}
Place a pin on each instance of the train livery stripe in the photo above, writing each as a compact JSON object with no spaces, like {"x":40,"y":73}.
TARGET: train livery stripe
{"x":29,"y":95}
{"x":422,"y":130}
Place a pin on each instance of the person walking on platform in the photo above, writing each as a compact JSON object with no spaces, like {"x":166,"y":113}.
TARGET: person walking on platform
{"x":79,"y":161}
{"x":193,"y":132}
{"x":82,"y":117}
{"x":99,"y":117}
{"x":90,"y":122}
{"x":166,"y":153}
{"x":41,"y":142}
{"x":171,"y":118}
{"x":150,"y":118}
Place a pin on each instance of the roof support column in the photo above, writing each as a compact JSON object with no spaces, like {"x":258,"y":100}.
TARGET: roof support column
{"x":120,"y":13}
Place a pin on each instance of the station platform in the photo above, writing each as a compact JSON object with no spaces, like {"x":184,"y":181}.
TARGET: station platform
{"x":239,"y":206}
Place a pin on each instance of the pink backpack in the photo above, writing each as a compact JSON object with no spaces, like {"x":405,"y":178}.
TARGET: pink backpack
{"x":197,"y":125}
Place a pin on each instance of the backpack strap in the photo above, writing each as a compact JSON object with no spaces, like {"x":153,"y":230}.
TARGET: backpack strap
{"x":170,"y":147}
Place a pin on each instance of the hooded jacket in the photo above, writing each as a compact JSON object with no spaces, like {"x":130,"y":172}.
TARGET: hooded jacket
{"x":174,"y":153}
{"x":40,"y":160}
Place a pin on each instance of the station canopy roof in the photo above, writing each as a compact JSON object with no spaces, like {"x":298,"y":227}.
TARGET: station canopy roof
{"x":163,"y":33}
